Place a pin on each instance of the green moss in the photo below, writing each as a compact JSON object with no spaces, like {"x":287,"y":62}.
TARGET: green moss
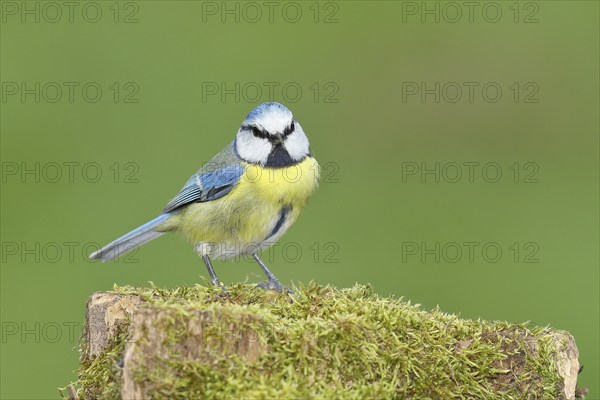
{"x":100,"y":377}
{"x":328,"y":343}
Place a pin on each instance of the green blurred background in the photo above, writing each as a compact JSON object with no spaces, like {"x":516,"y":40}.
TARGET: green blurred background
{"x":371,"y":221}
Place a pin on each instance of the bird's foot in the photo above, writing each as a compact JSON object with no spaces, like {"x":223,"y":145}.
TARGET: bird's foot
{"x":221,"y":286}
{"x":274,"y":284}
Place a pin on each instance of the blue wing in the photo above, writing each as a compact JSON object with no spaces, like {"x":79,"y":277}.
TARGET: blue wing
{"x":213,"y":181}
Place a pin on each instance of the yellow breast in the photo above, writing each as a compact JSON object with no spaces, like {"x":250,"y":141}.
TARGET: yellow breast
{"x":290,"y":185}
{"x":247,"y":213}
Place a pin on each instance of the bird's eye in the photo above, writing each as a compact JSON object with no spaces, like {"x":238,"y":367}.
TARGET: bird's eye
{"x":290,"y":129}
{"x":258,"y":132}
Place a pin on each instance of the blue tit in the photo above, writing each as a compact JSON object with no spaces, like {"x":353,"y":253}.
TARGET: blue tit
{"x":244,"y":199}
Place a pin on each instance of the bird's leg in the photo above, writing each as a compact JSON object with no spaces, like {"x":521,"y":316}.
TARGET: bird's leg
{"x":211,"y":271}
{"x":272,"y":283}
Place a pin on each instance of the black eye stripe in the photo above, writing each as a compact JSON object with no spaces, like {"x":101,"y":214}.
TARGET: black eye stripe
{"x":256,"y":131}
{"x":290,"y":129}
{"x":261,"y":133}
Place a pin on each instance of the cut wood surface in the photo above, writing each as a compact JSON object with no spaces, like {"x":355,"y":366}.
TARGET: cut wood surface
{"x":319,"y":343}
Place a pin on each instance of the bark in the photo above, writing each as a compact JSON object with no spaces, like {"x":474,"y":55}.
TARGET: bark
{"x":206,"y":336}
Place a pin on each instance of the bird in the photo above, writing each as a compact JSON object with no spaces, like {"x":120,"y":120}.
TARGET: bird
{"x":243,"y":200}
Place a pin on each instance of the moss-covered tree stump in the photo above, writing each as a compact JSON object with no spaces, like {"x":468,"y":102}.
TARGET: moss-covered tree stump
{"x":322,"y":342}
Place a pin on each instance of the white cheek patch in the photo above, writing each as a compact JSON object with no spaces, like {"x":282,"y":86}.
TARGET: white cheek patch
{"x":297,"y":143}
{"x":251,"y":148}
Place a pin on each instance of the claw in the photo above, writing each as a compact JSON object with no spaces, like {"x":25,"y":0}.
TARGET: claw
{"x":274,"y":284}
{"x":221,"y":286}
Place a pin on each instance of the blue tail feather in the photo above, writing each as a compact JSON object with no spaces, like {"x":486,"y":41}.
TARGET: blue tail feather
{"x":131,"y":240}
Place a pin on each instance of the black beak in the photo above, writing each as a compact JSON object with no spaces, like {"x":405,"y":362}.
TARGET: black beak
{"x":277,"y":138}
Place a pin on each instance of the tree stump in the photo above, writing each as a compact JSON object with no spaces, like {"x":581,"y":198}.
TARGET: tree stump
{"x":319,"y":343}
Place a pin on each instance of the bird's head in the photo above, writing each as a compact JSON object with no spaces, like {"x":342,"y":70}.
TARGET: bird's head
{"x":270,"y":136}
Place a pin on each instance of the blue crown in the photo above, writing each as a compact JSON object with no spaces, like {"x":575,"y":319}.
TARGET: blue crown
{"x":267,"y":108}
